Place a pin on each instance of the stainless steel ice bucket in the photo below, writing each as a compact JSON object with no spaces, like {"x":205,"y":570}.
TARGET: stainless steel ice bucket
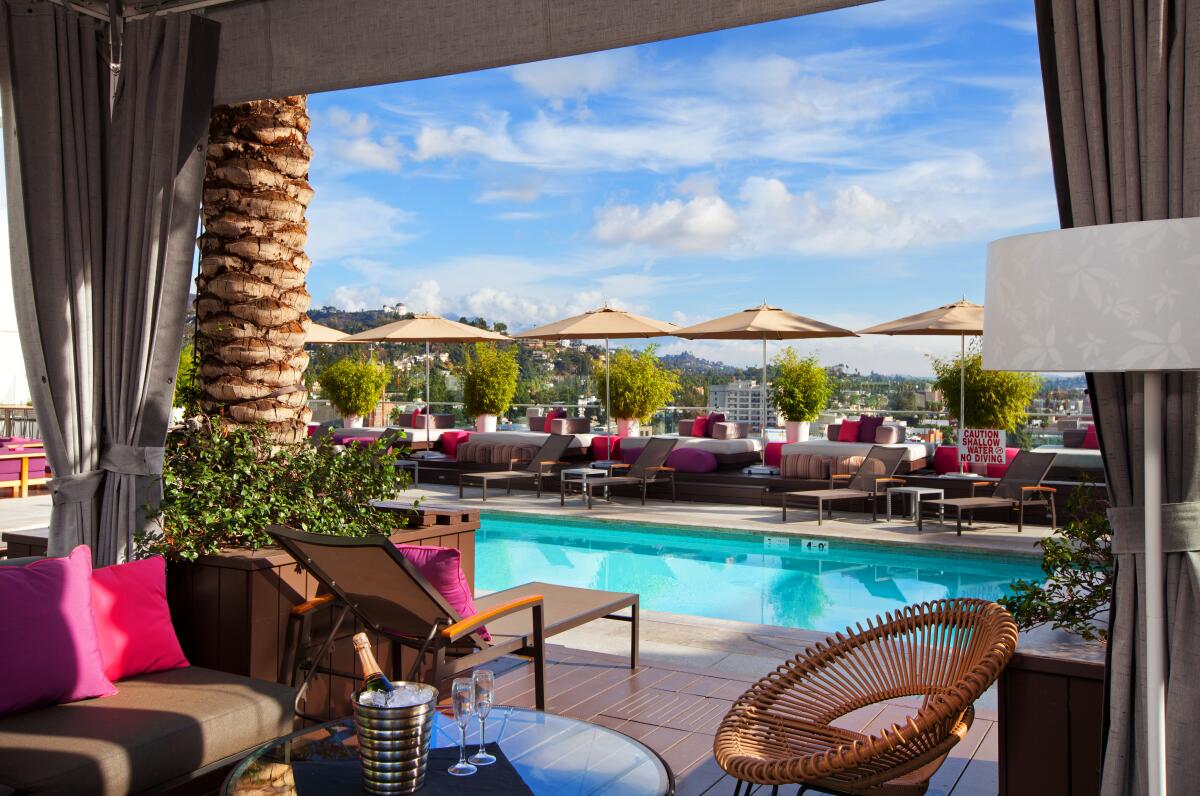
{"x":393,"y":743}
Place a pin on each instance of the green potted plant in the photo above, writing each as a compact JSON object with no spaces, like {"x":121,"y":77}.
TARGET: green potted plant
{"x":489,"y":383}
{"x":638,"y":387}
{"x":800,"y":390}
{"x":996,"y":399}
{"x":354,"y":388}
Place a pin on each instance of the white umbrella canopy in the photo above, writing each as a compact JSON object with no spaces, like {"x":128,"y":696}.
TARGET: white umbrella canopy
{"x":603,"y":323}
{"x":763,"y":322}
{"x":960,"y":318}
{"x":426,"y":328}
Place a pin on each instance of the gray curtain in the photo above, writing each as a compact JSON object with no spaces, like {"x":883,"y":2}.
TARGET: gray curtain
{"x":1122,"y":81}
{"x":103,"y":218}
{"x":54,"y":77}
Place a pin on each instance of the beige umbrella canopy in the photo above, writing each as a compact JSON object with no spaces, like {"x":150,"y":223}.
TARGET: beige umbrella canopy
{"x":763,"y":322}
{"x":319,"y":334}
{"x":425,"y":328}
{"x":603,"y":323}
{"x":961,"y":318}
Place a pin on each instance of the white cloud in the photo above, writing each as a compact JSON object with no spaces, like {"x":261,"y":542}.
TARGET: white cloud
{"x":702,"y":224}
{"x":521,"y":191}
{"x":356,"y":298}
{"x":346,"y":142}
{"x":575,"y":77}
{"x":360,"y":225}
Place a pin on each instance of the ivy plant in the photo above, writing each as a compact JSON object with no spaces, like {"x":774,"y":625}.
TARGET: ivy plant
{"x":354,"y":387}
{"x":640,"y":384}
{"x":995,"y":398}
{"x":800,"y":389}
{"x":1078,"y":563}
{"x":222,"y":487}
{"x":489,"y":379}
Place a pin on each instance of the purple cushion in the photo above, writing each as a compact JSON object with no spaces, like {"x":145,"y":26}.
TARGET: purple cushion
{"x":10,"y":469}
{"x":713,"y":419}
{"x":692,"y":460}
{"x":51,"y":650}
{"x":442,"y":567}
{"x":867,"y":426}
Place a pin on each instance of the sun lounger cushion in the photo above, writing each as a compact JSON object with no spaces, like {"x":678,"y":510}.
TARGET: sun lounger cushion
{"x":51,"y":653}
{"x":133,"y":620}
{"x":692,"y":460}
{"x":442,"y":567}
{"x":158,"y":728}
{"x":805,"y":465}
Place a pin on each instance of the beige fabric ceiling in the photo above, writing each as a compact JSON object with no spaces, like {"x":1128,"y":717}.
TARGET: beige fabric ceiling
{"x":272,"y":48}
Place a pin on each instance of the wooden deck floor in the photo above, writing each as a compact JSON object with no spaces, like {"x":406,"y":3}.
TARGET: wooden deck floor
{"x":676,"y":712}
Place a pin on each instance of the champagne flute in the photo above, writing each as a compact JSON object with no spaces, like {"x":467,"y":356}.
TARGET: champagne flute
{"x":463,"y":697}
{"x":485,"y":688}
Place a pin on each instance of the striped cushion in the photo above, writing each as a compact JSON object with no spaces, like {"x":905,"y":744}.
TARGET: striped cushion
{"x":805,"y":465}
{"x":846,"y":465}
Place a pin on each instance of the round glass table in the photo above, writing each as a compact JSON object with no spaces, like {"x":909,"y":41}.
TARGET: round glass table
{"x":553,"y":755}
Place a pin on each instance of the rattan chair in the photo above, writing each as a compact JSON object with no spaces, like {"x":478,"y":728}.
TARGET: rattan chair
{"x":782,"y":730}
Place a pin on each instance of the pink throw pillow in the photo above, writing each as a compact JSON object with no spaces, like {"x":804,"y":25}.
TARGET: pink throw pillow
{"x":700,"y":427}
{"x":1091,"y":439}
{"x":416,"y":418}
{"x":849,"y":431}
{"x":442,"y":567}
{"x":51,"y":652}
{"x":133,"y":620}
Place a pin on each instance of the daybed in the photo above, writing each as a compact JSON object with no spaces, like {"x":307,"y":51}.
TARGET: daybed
{"x":728,"y":452}
{"x":501,"y":447}
{"x":834,"y":449}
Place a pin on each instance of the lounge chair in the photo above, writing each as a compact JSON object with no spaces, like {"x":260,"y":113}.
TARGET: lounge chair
{"x":1021,"y":486}
{"x":369,"y":578}
{"x":537,"y":468}
{"x":648,"y":468}
{"x":873,"y":476}
{"x":783,"y":731}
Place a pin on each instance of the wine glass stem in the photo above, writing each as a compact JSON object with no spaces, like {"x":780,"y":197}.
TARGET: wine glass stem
{"x":482,"y":735}
{"x":462,"y":747}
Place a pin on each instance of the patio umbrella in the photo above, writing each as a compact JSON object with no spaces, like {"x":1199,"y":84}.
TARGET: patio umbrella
{"x":603,"y":323}
{"x":961,"y":318}
{"x":763,"y":322}
{"x":425,"y":328}
{"x":321,"y":335}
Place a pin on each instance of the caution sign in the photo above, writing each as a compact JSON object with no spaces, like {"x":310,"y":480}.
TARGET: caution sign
{"x":981,"y":446}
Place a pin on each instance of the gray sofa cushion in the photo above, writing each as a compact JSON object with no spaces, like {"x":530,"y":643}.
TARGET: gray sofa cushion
{"x":157,"y":728}
{"x":1073,"y":437}
{"x":833,"y":431}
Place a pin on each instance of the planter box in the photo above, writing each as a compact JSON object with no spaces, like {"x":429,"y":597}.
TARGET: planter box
{"x":230,"y":610}
{"x":1051,"y":699}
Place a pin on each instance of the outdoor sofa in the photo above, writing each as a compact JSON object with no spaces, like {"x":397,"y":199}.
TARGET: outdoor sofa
{"x":727,"y":452}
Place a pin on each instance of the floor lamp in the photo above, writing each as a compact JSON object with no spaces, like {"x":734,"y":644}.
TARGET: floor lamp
{"x":1115,"y":298}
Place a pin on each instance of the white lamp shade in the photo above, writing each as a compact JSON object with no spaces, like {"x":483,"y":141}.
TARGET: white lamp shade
{"x":1111,"y":297}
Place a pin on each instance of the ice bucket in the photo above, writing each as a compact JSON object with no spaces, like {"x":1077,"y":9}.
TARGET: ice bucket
{"x":393,"y":742}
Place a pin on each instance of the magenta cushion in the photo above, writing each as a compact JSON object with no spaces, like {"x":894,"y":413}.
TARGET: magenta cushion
{"x":713,"y":419}
{"x":774,"y":454}
{"x":867,"y":426}
{"x":998,"y":470}
{"x":133,"y":621}
{"x":51,"y":652}
{"x":700,"y":427}
{"x":442,"y":567}
{"x":1091,"y":439}
{"x":849,"y":431}
{"x":553,"y":414}
{"x":945,"y":459}
{"x":692,"y":460}
{"x":451,"y":439}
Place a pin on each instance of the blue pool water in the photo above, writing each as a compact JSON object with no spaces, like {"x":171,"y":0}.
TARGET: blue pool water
{"x":802,"y":582}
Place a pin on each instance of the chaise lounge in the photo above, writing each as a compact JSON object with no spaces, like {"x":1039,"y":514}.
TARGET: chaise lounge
{"x":874,"y":475}
{"x":537,"y":468}
{"x":1020,"y":487}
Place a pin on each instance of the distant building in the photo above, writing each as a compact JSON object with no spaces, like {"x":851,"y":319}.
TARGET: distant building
{"x":741,"y":401}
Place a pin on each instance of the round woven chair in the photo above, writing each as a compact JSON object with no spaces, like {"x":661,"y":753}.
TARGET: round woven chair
{"x":782,"y":731}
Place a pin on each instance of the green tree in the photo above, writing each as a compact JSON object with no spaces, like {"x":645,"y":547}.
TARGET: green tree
{"x":640,"y":384}
{"x":355,"y":387}
{"x":187,"y":391}
{"x":489,"y":379}
{"x":800,"y":389}
{"x":995,"y":398}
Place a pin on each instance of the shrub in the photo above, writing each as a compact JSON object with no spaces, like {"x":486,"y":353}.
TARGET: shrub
{"x":640,"y":384}
{"x":223,"y":486}
{"x":489,"y":379}
{"x":187,"y":391}
{"x":354,"y":387}
{"x":801,"y":388}
{"x":1078,"y":563}
{"x":995,"y":398}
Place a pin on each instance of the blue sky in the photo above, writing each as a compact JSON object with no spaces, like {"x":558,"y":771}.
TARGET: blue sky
{"x":850,"y":166}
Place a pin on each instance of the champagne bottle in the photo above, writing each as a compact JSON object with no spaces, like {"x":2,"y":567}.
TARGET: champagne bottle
{"x":374,"y":679}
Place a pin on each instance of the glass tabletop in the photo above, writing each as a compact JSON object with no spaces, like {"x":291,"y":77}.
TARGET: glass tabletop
{"x":555,"y":755}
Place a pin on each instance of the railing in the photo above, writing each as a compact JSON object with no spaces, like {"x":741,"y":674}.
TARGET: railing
{"x":18,"y":421}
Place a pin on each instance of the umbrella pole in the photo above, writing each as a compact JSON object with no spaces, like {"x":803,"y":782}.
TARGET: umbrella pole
{"x":607,"y":399}
{"x":426,"y":375}
{"x":962,"y":390}
{"x":764,"y":402}
{"x":1154,"y":616}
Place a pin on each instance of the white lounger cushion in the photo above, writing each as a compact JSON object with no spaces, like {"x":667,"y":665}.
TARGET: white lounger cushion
{"x":824,"y":447}
{"x":717,"y":447}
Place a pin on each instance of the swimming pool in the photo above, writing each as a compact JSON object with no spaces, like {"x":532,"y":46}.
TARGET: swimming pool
{"x":803,"y":582}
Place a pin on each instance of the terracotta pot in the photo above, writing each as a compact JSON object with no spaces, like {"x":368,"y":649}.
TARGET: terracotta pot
{"x":485,"y":423}
{"x":797,"y":430}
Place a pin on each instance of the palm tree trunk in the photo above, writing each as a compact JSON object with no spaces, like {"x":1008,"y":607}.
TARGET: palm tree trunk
{"x":252,"y":301}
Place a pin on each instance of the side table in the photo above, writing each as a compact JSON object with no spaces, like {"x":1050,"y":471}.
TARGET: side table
{"x":915,"y":494}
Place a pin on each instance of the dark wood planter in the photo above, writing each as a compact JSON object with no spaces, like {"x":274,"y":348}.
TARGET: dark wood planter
{"x":1052,"y":716}
{"x":230,"y":610}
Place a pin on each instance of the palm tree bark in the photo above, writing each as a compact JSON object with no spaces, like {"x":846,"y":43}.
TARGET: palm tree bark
{"x":252,"y":300}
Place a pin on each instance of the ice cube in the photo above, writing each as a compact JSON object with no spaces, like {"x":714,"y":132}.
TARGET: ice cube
{"x":405,"y":696}
{"x":373,"y":699}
